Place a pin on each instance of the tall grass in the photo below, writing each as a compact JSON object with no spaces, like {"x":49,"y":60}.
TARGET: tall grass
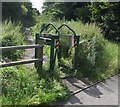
{"x":11,"y":36}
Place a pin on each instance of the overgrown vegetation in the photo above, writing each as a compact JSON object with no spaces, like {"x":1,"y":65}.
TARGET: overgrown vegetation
{"x":21,"y":86}
{"x":98,"y":57}
{"x":12,"y":36}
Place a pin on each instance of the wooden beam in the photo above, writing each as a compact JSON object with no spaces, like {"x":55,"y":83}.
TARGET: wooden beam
{"x":20,"y":47}
{"x":47,"y":39}
{"x":20,"y":62}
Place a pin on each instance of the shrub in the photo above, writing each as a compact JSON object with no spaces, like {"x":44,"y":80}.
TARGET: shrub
{"x":12,"y":36}
{"x":97,"y":58}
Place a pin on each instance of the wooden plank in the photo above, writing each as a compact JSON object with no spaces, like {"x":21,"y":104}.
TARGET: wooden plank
{"x":46,"y":41}
{"x":20,"y":62}
{"x":83,"y":41}
{"x":20,"y":47}
{"x":43,"y":38}
{"x":46,"y":35}
{"x":36,"y":42}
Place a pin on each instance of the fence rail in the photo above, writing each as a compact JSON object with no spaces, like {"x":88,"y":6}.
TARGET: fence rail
{"x":20,"y":62}
{"x":20,"y":47}
{"x":38,"y":59}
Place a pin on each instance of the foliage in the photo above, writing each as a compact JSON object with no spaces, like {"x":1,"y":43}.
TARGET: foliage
{"x":105,"y":14}
{"x":98,"y":57}
{"x":98,"y":60}
{"x":62,"y":9}
{"x":19,"y":11}
{"x":40,"y":22}
{"x":83,"y":14}
{"x":11,"y":36}
{"x":21,"y":86}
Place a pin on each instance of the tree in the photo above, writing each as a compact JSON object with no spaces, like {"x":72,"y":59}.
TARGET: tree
{"x":11,"y":10}
{"x":62,"y":9}
{"x":20,"y":11}
{"x":107,"y":16}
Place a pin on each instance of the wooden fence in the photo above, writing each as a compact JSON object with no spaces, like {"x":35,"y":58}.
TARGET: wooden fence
{"x":38,"y":60}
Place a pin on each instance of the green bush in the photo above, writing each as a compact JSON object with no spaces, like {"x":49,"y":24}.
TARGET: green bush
{"x":12,"y":36}
{"x":97,"y":58}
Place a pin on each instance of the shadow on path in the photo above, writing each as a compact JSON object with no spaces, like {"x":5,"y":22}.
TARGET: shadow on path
{"x":93,"y":92}
{"x":103,"y":92}
{"x":74,"y":100}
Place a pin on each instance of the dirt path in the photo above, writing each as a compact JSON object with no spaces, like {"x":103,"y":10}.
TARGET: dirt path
{"x":30,"y":53}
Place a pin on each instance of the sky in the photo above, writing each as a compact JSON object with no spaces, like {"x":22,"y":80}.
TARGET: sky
{"x":37,"y":4}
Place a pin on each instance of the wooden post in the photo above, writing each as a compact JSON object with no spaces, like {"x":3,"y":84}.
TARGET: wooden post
{"x":39,"y":55}
{"x":36,"y":42}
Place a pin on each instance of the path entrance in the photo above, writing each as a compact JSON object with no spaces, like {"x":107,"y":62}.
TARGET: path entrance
{"x":30,"y":53}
